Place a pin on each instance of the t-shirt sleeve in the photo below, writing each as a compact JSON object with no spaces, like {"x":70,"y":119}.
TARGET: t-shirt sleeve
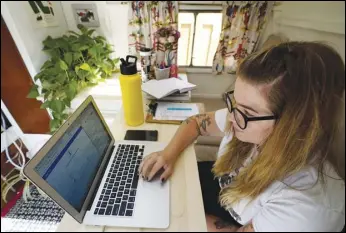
{"x":221,"y":119}
{"x":295,"y":212}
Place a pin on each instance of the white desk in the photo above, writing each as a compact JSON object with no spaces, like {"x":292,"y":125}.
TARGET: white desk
{"x":186,"y":204}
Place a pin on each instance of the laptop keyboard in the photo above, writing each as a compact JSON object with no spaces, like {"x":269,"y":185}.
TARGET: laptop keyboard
{"x":119,"y":191}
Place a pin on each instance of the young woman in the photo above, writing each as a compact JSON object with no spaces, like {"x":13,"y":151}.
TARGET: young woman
{"x":275,"y":170}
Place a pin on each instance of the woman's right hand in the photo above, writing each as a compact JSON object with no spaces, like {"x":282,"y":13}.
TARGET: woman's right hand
{"x":198,"y":125}
{"x":155,"y":162}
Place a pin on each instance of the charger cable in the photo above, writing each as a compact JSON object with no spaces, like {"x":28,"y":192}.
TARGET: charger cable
{"x":10,"y":182}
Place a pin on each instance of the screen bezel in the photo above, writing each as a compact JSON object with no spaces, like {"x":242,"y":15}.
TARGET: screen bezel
{"x":29,"y":170}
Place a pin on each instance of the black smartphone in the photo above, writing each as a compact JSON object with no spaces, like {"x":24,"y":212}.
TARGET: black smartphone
{"x":141,"y":135}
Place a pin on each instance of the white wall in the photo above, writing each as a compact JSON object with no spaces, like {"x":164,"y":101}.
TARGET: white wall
{"x":310,"y":21}
{"x":210,"y":85}
{"x":113,"y":18}
{"x":27,"y":37}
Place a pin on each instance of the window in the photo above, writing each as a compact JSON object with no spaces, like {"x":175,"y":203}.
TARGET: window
{"x":199,"y":37}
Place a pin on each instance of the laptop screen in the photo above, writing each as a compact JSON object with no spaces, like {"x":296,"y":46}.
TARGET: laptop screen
{"x":72,"y":163}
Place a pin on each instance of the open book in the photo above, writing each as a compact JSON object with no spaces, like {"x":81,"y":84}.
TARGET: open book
{"x":165,"y":87}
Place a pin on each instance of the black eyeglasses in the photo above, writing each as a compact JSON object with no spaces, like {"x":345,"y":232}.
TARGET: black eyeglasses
{"x":239,"y":116}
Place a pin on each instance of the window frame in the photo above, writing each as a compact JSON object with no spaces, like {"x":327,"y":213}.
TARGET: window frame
{"x":195,"y":13}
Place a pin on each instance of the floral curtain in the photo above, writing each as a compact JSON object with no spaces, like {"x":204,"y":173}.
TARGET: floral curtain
{"x":242,"y":24}
{"x":153,"y":24}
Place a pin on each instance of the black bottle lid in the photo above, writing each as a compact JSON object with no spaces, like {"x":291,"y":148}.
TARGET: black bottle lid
{"x":127,"y":67}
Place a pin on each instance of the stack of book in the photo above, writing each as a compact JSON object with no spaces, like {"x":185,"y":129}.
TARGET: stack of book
{"x":172,"y":89}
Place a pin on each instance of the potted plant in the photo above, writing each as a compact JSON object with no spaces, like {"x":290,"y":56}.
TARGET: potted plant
{"x":77,"y":60}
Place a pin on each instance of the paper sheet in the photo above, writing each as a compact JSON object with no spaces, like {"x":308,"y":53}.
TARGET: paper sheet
{"x":175,"y":111}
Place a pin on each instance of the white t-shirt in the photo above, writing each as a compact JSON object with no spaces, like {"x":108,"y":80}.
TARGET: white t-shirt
{"x":281,"y":208}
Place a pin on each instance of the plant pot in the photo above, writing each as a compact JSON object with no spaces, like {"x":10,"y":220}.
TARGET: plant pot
{"x":162,"y":73}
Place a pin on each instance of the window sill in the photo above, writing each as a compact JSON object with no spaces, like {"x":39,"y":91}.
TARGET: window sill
{"x":107,"y":96}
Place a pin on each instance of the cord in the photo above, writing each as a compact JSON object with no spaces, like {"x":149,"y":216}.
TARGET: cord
{"x":14,"y":179}
{"x":19,"y":177}
{"x":5,"y":181}
{"x":6,"y":149}
{"x":16,"y":155}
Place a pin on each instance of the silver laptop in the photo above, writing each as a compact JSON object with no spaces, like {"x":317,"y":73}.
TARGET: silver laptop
{"x":95,"y":178}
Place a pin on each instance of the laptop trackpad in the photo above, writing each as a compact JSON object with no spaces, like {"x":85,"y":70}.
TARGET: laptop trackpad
{"x":153,"y":202}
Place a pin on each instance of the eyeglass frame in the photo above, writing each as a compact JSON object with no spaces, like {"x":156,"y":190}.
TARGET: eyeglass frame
{"x":246,"y":118}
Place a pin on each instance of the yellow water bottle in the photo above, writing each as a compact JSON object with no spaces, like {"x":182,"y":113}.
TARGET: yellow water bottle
{"x":130,"y":83}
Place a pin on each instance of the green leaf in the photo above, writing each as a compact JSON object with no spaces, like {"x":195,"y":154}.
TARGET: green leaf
{"x":57,"y":106}
{"x":62,"y":43}
{"x":76,"y":56}
{"x":61,"y":78}
{"x":64,"y":116}
{"x":46,"y":95}
{"x":74,"y":33}
{"x":82,"y":28}
{"x":100,"y":38}
{"x":67,"y":102}
{"x":109,"y":48}
{"x":33,"y":93}
{"x":90,"y":32}
{"x":45,"y":104}
{"x":53,"y":71}
{"x":85,"y":66}
{"x":56,"y":116}
{"x":39,"y":76}
{"x":49,"y":42}
{"x":82,"y":85}
{"x":93,"y":51}
{"x":49,"y":85}
{"x":68,"y":57}
{"x":75,"y":47}
{"x":71,"y":90}
{"x":54,"y":53}
{"x":63,"y":65}
{"x":54,"y":124}
{"x":116,"y":60}
{"x":84,"y":47}
{"x":47,"y":64}
{"x":103,"y":75}
{"x":72,"y":75}
{"x":82,"y":74}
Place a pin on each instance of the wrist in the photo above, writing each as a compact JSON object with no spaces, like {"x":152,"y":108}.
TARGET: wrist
{"x":170,"y":153}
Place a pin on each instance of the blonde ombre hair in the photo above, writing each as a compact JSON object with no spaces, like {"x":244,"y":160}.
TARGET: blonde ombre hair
{"x":306,"y":82}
